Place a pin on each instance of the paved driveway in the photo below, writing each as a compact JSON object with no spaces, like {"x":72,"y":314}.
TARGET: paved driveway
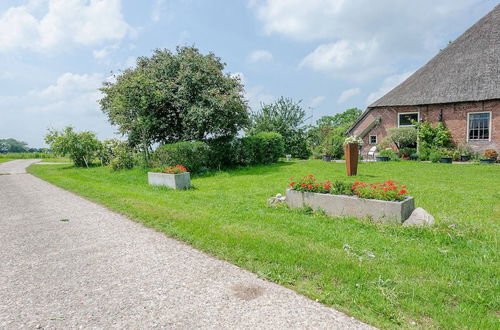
{"x":66,"y":262}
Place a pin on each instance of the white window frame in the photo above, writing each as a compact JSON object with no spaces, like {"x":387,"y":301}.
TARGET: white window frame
{"x":370,"y":139}
{"x":489,"y":126}
{"x":408,"y":113}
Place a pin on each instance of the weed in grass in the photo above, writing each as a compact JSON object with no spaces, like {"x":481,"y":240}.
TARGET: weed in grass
{"x":64,"y":220}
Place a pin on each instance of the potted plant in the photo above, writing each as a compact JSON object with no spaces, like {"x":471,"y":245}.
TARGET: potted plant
{"x":382,"y":201}
{"x":405,"y":153}
{"x":351,"y":152}
{"x":326,"y":150}
{"x":465,"y":151}
{"x":175,"y":177}
{"x":489,"y":157}
{"x":446,"y":156}
{"x":384,"y":155}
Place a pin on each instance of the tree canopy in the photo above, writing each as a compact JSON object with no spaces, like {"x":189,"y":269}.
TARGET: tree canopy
{"x":175,"y":96}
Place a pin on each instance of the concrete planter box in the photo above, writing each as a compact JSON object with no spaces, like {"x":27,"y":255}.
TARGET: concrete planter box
{"x":174,"y":181}
{"x":340,"y":205}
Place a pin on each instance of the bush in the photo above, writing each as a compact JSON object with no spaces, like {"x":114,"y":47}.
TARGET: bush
{"x":262,"y":148}
{"x":435,"y":156}
{"x":341,"y":188}
{"x":81,"y":147}
{"x":406,"y":152}
{"x":491,"y":154}
{"x":124,"y":158}
{"x":195,"y":156}
{"x":403,"y":137}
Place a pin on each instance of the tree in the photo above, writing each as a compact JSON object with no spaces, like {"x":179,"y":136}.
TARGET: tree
{"x":13,"y":145}
{"x":328,"y":135}
{"x":287,"y":118}
{"x":81,"y":147}
{"x":403,"y":137}
{"x":171,"y":97}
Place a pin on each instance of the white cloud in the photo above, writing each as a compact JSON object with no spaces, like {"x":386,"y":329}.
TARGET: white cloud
{"x":358,"y":39}
{"x":316,"y":101}
{"x":347,"y":94}
{"x":257,"y":95}
{"x":104,"y":52}
{"x":388,"y":84}
{"x":158,"y":7}
{"x":260,"y":55}
{"x":65,"y":23}
{"x":70,"y":100}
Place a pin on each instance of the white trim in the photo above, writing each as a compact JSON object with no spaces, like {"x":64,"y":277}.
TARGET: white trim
{"x":409,"y":113}
{"x":490,"y":128}
{"x":370,"y":139}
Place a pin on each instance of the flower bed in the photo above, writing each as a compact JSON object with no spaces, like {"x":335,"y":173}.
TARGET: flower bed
{"x":387,"y":201}
{"x":175,"y":177}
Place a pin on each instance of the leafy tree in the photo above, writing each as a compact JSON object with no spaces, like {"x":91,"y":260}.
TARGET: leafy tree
{"x":171,"y":97}
{"x":81,"y":147}
{"x":327,"y":137}
{"x":403,"y":137}
{"x":287,"y":118}
{"x":13,"y":145}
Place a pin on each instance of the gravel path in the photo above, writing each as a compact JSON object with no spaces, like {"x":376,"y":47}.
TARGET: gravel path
{"x":66,"y":262}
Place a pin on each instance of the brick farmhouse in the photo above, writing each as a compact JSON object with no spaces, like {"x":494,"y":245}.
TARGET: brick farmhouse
{"x":460,"y":87}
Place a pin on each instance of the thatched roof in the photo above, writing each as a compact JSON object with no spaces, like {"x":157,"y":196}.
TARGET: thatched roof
{"x":467,"y":70}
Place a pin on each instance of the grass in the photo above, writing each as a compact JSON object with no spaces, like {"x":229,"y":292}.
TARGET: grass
{"x":387,"y":275}
{"x":32,"y":155}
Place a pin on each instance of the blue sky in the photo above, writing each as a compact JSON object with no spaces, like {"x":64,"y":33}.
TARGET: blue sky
{"x":332,"y":54}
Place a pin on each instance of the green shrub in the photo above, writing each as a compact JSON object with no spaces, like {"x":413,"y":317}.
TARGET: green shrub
{"x":269,"y":147}
{"x":403,"y":137}
{"x":341,"y":188}
{"x":195,"y":156}
{"x":435,"y":156}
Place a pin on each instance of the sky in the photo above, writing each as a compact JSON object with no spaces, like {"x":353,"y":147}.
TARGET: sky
{"x":331,"y":54}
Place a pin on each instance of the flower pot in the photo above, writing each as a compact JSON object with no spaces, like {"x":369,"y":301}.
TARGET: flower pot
{"x":464,"y":158}
{"x":382,"y":159}
{"x":486,"y":161}
{"x":288,"y":157}
{"x":446,"y":160}
{"x":353,"y":206}
{"x":351,"y":152}
{"x":174,"y":181}
{"x":327,"y":158}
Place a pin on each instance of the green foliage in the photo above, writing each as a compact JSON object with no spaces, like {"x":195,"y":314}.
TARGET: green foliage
{"x":341,"y":188}
{"x":195,"y":156}
{"x":403,"y":137}
{"x":81,"y":147}
{"x":287,"y":118}
{"x":327,"y":137}
{"x":171,"y":97}
{"x":429,"y":136}
{"x":435,"y":156}
{"x":13,"y":145}
{"x":118,"y":155}
{"x":406,"y":152}
{"x":386,"y":153}
{"x":262,"y":148}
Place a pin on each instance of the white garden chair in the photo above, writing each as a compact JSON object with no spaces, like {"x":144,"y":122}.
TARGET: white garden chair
{"x":371,"y":152}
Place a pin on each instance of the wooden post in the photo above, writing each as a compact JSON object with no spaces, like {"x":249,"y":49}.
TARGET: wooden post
{"x":351,"y":151}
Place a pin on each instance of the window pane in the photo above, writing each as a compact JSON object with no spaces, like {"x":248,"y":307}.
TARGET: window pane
{"x":405,"y":119}
{"x":479,"y":126}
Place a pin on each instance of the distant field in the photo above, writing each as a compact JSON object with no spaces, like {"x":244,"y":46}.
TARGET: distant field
{"x":445,"y":277}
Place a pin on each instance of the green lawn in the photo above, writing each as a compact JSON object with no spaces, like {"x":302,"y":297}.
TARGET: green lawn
{"x":440,"y":277}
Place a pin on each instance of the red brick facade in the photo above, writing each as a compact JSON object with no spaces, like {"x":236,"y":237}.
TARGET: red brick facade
{"x":454,"y":116}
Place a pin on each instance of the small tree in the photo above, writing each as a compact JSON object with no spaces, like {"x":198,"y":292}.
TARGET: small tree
{"x":403,"y":137}
{"x":81,"y":147}
{"x":287,"y":118}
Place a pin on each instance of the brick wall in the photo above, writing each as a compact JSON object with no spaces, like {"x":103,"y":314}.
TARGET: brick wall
{"x":454,"y":117}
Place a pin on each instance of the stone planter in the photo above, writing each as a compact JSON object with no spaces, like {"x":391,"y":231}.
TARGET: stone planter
{"x":288,"y":158}
{"x":486,"y":161}
{"x":446,"y":160}
{"x":382,"y":159}
{"x":174,"y":181}
{"x":327,"y":158}
{"x":464,"y":158}
{"x":351,"y":152}
{"x":340,"y":205}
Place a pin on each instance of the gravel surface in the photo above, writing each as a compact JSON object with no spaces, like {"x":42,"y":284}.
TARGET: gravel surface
{"x":69,"y":263}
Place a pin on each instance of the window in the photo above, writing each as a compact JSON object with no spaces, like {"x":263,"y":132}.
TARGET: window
{"x":479,"y":125}
{"x":373,"y":139}
{"x":406,"y":118}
